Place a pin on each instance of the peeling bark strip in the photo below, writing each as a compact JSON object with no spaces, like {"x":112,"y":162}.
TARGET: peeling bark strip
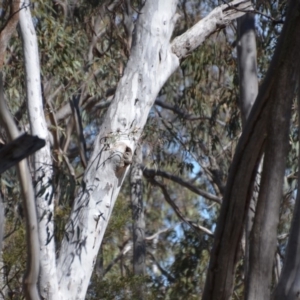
{"x":219,"y":282}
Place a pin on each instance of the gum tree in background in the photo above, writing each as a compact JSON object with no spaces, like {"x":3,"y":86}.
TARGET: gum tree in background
{"x":106,"y":67}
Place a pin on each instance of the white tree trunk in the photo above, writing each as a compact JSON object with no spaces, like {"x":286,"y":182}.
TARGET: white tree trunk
{"x":42,"y":164}
{"x":153,"y":59}
{"x":151,"y":62}
{"x":150,"y":65}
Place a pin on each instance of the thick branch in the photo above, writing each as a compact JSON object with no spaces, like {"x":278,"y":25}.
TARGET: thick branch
{"x":221,"y":16}
{"x":246,"y":50}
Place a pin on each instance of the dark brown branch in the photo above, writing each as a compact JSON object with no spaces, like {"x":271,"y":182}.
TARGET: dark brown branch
{"x":161,"y":269}
{"x":150,"y":173}
{"x":177,"y":211}
{"x":79,"y":129}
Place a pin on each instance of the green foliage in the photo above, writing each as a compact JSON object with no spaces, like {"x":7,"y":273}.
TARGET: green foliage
{"x":194,"y":139}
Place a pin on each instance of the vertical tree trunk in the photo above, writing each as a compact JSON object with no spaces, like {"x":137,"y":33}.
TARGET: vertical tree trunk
{"x":248,"y":86}
{"x":150,"y":64}
{"x":288,"y":287}
{"x":246,"y":50}
{"x":224,"y":255}
{"x":138,"y":226}
{"x":42,"y":164}
{"x":264,"y":232}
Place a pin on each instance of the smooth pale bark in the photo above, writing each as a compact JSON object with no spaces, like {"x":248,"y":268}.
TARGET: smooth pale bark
{"x":221,"y":16}
{"x":246,"y":50}
{"x":151,"y":63}
{"x":225,"y":252}
{"x":288,"y":287}
{"x":248,"y":87}
{"x":186,"y":43}
{"x":147,"y":70}
{"x":137,"y":206}
{"x":42,"y":162}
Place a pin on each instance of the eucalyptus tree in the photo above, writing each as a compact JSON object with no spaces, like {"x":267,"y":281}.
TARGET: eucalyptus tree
{"x":152,"y":60}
